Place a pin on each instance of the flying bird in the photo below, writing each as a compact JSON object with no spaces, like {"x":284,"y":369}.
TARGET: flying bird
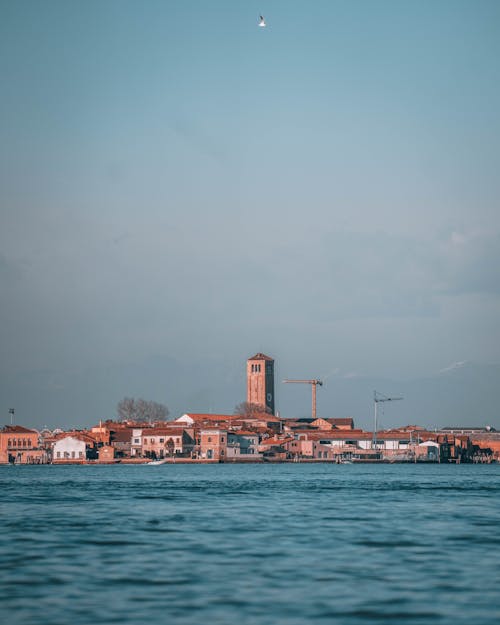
{"x":262,"y":21}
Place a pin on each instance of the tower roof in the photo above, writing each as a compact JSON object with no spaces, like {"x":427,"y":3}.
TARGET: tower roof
{"x":261,"y":356}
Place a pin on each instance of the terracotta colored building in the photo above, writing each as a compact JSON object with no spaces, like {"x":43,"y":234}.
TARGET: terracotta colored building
{"x":260,"y":381}
{"x":20,"y":445}
{"x":213,"y":444}
{"x":166,"y":442}
{"x":106,"y":453}
{"x":491,"y":442}
{"x":101,"y":433}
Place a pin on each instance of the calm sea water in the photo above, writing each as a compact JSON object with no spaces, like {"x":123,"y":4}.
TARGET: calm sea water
{"x":271,"y":544}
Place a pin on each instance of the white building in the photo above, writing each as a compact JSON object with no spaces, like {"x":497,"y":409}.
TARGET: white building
{"x":136,"y":442}
{"x":67,"y":449}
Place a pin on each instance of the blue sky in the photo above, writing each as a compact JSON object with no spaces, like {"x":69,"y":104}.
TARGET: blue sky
{"x":177,"y":183}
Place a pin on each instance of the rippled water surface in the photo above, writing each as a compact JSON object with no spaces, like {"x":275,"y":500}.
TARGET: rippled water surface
{"x":267,"y":544}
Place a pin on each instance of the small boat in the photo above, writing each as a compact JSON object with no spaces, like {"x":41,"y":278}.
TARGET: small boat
{"x":163,"y":461}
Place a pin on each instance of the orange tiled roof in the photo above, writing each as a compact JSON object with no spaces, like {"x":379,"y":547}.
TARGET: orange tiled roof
{"x":82,"y":436}
{"x":212,"y":417}
{"x":276,"y":441}
{"x":123,"y":435}
{"x":18,"y":429}
{"x":244,"y":433}
{"x":341,"y":421}
{"x":163,"y":432}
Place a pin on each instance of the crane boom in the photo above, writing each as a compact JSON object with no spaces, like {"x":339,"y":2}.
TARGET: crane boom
{"x":378,"y":398}
{"x":314,"y":384}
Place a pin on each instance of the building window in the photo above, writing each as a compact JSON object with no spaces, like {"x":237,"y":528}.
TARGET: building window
{"x":80,"y":454}
{"x":136,"y":441}
{"x":178,"y":440}
{"x":72,"y":454}
{"x":222,"y":439}
{"x":209,"y":439}
{"x":162,"y":440}
{"x":58,"y":454}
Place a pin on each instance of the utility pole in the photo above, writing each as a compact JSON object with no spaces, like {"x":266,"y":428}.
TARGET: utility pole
{"x":378,"y":398}
{"x":314,"y":384}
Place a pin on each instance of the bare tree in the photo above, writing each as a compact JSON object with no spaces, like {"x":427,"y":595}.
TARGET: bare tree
{"x":249,"y":410}
{"x":158,"y":412}
{"x":140,"y":410}
{"x":126,"y":409}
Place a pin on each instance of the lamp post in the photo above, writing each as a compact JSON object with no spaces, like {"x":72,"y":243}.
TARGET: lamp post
{"x":11,"y":413}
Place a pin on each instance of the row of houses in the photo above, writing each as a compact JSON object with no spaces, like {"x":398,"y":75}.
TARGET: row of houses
{"x":255,"y":438}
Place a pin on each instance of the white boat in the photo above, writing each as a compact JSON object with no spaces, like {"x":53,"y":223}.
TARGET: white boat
{"x":163,"y":461}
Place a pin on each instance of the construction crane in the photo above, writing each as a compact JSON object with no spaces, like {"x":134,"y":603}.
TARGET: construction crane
{"x":314,"y":384}
{"x":377,"y":399}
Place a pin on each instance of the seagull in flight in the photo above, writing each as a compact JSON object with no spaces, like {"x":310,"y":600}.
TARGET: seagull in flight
{"x":262,"y":21}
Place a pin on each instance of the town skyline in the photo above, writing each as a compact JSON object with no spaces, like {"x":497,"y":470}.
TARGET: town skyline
{"x":179,"y":187}
{"x":442,"y":400}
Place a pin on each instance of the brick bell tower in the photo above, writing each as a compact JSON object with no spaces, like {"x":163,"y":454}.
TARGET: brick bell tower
{"x":260,"y":381}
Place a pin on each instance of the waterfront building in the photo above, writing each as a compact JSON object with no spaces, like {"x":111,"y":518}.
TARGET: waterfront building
{"x":166,"y":442}
{"x":136,"y":443}
{"x":121,"y":440}
{"x":213,"y":444}
{"x":20,"y":445}
{"x":485,"y":439}
{"x":106,"y":453}
{"x":260,"y":381}
{"x":70,"y":448}
{"x":488,"y":442}
{"x":242,"y":445}
{"x":275,"y":448}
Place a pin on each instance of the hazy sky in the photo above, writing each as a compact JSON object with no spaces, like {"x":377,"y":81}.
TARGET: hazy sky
{"x":176,"y":182}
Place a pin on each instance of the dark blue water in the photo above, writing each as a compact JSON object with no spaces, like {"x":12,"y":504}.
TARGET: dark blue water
{"x":271,"y":544}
